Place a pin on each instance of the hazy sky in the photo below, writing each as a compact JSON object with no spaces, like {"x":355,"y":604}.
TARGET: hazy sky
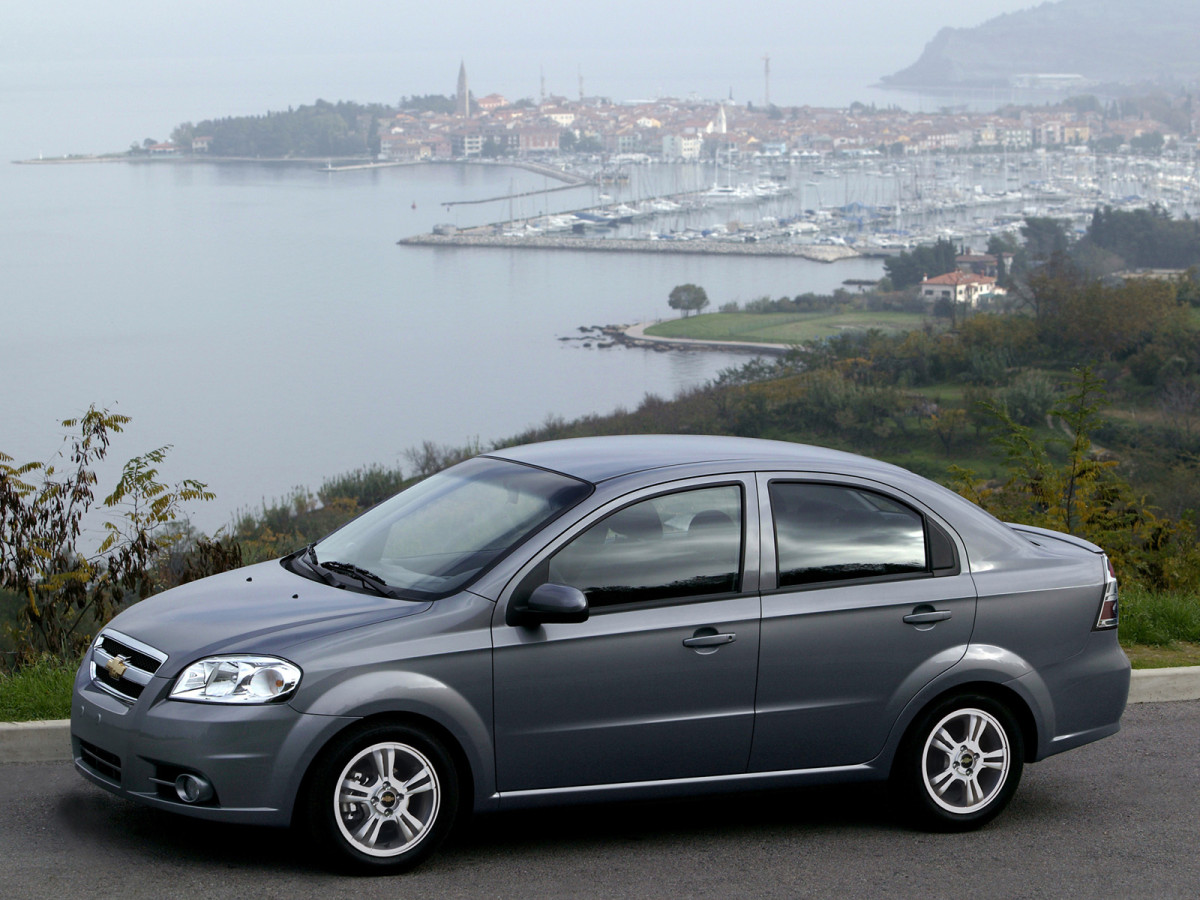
{"x":624,"y":48}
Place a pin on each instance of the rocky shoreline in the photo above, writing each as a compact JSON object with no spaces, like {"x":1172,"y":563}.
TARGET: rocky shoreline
{"x":817,"y":252}
{"x":604,"y":337}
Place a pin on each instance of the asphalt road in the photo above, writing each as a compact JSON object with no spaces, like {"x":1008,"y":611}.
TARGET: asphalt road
{"x":1120,"y":818}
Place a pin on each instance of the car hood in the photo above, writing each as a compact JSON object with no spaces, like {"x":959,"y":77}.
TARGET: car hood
{"x":259,"y":609}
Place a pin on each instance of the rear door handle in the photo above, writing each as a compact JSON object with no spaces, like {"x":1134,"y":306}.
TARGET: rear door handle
{"x":928,"y":617}
{"x":709,"y":640}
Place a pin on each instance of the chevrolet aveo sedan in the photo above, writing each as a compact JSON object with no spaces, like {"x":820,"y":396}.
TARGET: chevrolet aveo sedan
{"x":611,"y":618}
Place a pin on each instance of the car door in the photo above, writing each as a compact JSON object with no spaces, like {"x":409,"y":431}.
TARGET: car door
{"x":658,"y":683}
{"x":864,"y":602}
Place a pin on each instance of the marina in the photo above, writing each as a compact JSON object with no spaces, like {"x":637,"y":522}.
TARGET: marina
{"x":820,"y":207}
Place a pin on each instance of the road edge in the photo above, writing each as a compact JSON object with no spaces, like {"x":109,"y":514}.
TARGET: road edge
{"x":50,"y":741}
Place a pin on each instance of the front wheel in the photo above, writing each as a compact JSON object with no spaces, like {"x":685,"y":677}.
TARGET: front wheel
{"x":960,"y":764}
{"x":382,"y":799}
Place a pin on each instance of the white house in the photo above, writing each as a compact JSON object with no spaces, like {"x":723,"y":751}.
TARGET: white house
{"x":965,"y":288}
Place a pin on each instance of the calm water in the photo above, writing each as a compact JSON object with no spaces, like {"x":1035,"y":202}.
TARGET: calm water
{"x":265,"y":323}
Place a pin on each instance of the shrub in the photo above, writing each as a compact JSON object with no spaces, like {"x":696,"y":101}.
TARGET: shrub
{"x":68,"y":590}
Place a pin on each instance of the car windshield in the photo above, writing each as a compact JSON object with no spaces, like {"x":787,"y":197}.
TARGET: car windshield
{"x":435,"y":537}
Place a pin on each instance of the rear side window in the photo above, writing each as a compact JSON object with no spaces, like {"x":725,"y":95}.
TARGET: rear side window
{"x":829,"y":533}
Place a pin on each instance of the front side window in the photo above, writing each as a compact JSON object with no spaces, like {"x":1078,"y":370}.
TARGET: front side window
{"x":685,"y":544}
{"x":828,"y":532}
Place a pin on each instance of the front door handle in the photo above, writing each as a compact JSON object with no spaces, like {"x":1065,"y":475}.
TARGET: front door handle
{"x":709,"y":640}
{"x":927,"y":616}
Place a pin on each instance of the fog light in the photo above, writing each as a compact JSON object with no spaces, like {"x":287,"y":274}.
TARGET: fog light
{"x":193,"y":788}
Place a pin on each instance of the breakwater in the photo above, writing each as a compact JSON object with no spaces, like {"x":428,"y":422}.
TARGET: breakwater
{"x":817,"y":252}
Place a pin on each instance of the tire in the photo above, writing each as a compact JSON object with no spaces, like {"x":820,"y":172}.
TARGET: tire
{"x":382,"y":799}
{"x":960,"y":764}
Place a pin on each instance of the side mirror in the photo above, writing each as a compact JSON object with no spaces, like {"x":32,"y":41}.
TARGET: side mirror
{"x":549,"y":603}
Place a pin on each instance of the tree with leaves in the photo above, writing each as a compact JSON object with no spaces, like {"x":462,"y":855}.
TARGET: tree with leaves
{"x":69,"y":590}
{"x":687,"y":298}
{"x":1045,"y":237}
{"x":925,"y":261}
{"x":1062,"y":482}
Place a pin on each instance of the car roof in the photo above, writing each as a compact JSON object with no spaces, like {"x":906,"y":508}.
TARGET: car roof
{"x":597,"y":459}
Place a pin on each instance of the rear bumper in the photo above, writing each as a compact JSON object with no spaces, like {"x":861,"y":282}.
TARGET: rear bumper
{"x":1089,"y":691}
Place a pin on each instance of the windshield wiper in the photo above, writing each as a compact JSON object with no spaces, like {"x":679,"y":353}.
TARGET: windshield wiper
{"x":367,"y":578}
{"x":309,"y":557}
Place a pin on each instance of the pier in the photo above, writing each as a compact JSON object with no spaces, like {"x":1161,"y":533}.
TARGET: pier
{"x":817,"y":252}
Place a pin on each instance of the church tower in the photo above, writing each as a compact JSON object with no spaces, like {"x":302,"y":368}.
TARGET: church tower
{"x":462,"y":104}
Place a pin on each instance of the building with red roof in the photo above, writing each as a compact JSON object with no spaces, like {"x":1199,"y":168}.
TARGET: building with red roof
{"x":960,"y":287}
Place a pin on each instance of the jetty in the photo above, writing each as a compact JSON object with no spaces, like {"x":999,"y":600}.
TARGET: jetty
{"x":818,"y":252}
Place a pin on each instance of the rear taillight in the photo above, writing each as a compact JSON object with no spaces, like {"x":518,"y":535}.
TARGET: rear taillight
{"x":1109,"y":612}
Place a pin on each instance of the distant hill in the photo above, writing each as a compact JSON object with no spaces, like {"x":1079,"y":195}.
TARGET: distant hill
{"x":1104,"y":41}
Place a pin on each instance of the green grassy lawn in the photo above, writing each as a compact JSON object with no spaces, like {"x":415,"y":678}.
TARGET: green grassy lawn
{"x":782,"y":328}
{"x":42,"y":691}
{"x":1159,"y":619}
{"x":1179,"y":653}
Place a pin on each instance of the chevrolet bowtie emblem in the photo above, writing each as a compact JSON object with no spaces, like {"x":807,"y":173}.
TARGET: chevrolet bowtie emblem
{"x":115,"y":667}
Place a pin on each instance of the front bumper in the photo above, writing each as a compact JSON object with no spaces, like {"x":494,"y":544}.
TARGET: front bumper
{"x":254,"y":756}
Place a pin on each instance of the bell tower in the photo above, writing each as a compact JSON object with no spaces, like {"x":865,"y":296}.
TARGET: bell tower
{"x":462,"y":104}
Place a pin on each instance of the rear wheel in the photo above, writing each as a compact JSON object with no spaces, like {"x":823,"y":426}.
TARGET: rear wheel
{"x":960,"y":764}
{"x":382,"y":799}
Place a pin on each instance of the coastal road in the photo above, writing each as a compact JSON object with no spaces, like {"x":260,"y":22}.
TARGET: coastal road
{"x":1118,"y":818}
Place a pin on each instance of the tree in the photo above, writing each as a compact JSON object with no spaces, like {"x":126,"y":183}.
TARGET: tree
{"x":68,"y":591}
{"x":182,"y":136}
{"x":947,"y":425}
{"x":589,"y":143}
{"x":1089,"y":320}
{"x":926,"y":261}
{"x":687,"y":298}
{"x":1044,"y":237}
{"x":435,"y":103}
{"x":1000,"y":244}
{"x":1149,"y":144}
{"x":1145,"y":238}
{"x":1060,"y":482}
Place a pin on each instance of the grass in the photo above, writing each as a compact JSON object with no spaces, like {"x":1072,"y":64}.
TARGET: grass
{"x":1161,"y":619}
{"x":1179,"y":653}
{"x":41,"y":691}
{"x":783,"y":328}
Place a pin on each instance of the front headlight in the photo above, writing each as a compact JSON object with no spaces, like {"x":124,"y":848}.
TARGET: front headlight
{"x":236,"y":679}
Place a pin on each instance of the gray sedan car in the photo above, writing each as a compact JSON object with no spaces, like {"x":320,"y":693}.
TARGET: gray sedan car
{"x":611,"y":618}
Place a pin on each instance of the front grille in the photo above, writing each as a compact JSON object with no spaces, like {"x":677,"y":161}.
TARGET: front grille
{"x":133,"y":652}
{"x":128,"y":689}
{"x":103,"y":763}
{"x":135,"y":664}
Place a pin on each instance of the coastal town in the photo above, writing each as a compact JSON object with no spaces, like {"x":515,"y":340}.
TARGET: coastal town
{"x":716,"y":176}
{"x":690,"y":128}
{"x":695,"y":176}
